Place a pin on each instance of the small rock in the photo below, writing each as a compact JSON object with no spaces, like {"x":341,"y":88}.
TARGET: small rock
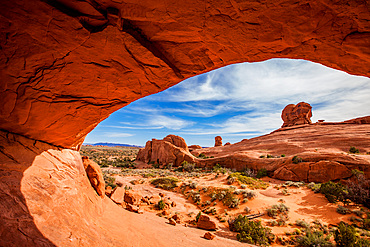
{"x":166,"y":212}
{"x":117,"y":195}
{"x":161,"y":194}
{"x":176,"y":218}
{"x":209,"y":236}
{"x":130,"y":198}
{"x":108,"y":191}
{"x":171,"y":221}
{"x":132,"y":208}
{"x":173,"y":204}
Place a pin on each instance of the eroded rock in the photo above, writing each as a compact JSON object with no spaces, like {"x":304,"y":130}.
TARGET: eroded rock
{"x":171,"y":150}
{"x":296,"y":114}
{"x":206,"y":223}
{"x":218,"y":141}
{"x":95,"y":175}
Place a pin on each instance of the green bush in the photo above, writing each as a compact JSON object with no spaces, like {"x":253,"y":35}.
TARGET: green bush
{"x":167,"y":183}
{"x":160,"y":205}
{"x":261,"y":173}
{"x":251,"y":232}
{"x":353,"y":150}
{"x":302,"y":223}
{"x":277,"y":209}
{"x":345,"y":235}
{"x":333,"y":191}
{"x":252,"y":183}
{"x":296,"y":159}
{"x":314,"y":239}
{"x":187,"y":167}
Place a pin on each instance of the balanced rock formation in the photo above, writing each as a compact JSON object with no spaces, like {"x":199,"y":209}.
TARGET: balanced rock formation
{"x":296,"y":114}
{"x":95,"y":175}
{"x":218,"y":141}
{"x":172,"y":149}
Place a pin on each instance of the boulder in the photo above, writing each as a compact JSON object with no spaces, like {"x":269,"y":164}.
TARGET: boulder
{"x":227,"y":143}
{"x":132,"y":198}
{"x":218,"y":141}
{"x":176,"y":218}
{"x":133,"y":208}
{"x":118,"y":195}
{"x":95,"y":175}
{"x":194,"y":147}
{"x":206,"y":223}
{"x":171,"y":221}
{"x":209,"y":236}
{"x":296,"y":114}
{"x":108,"y":191}
{"x":172,"y":149}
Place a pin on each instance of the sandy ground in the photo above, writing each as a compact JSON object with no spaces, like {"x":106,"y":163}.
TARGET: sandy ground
{"x":303,"y":203}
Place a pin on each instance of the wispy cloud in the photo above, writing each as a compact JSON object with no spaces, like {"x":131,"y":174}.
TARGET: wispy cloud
{"x":117,"y":134}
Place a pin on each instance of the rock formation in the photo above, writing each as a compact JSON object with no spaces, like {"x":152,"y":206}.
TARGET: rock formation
{"x":95,"y":175}
{"x":322,"y":150}
{"x":171,"y":150}
{"x":296,"y":114}
{"x":193,"y":147}
{"x":205,"y":222}
{"x":67,"y":65}
{"x":218,"y":141}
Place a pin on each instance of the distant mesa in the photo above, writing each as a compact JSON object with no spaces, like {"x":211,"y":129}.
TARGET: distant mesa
{"x":296,"y":114}
{"x":171,"y":150}
{"x":218,"y":141}
{"x":109,"y":144}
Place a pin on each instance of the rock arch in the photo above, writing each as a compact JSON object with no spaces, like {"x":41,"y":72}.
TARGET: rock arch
{"x":66,"y":65}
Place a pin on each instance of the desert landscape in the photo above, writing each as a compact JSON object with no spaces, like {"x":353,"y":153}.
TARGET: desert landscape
{"x":66,"y":66}
{"x":301,"y":182}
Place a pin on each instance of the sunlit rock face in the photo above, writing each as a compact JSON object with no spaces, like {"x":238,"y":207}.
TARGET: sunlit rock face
{"x":297,"y":114}
{"x":66,"y":65}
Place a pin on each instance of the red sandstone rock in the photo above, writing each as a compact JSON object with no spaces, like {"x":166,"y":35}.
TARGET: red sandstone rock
{"x":118,"y":195}
{"x":108,"y":191}
{"x":209,"y":236}
{"x":206,"y":223}
{"x":218,"y":141}
{"x":133,"y":208}
{"x":296,"y":114}
{"x":172,"y":149}
{"x":176,"y":218}
{"x":132,"y":197}
{"x":323,"y":171}
{"x":227,"y":143}
{"x":193,"y":147}
{"x":171,"y":221}
{"x":95,"y":175}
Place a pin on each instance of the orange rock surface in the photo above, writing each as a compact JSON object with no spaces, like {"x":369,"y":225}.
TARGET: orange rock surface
{"x":218,"y":141}
{"x":296,"y":114}
{"x":323,"y":150}
{"x":172,"y":149}
{"x":95,"y":175}
{"x":67,"y":65}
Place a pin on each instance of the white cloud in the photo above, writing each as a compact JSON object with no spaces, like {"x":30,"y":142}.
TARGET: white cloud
{"x":168,"y":122}
{"x":117,"y":134}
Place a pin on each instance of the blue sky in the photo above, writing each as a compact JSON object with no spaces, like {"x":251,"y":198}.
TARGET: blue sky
{"x":237,"y":102}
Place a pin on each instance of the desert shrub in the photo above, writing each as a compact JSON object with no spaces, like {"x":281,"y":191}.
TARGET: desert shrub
{"x":353,"y":150}
{"x":166,"y":183}
{"x":231,"y":180}
{"x":283,"y":155}
{"x":261,"y":173}
{"x":296,"y":159}
{"x":160,"y":205}
{"x":243,"y":186}
{"x":249,"y":194}
{"x":262,"y":156}
{"x":314,"y":239}
{"x":314,"y":187}
{"x":198,"y":216}
{"x":333,"y":191}
{"x":249,"y":181}
{"x":230,"y":200}
{"x":345,"y":235}
{"x":247,"y":210}
{"x":302,"y":223}
{"x":359,"y":189}
{"x":249,"y":231}
{"x":366,"y":223}
{"x":269,"y":156}
{"x":187,"y":167}
{"x":277,"y":209}
{"x":342,"y":210}
{"x":249,"y":172}
{"x":109,"y":181}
